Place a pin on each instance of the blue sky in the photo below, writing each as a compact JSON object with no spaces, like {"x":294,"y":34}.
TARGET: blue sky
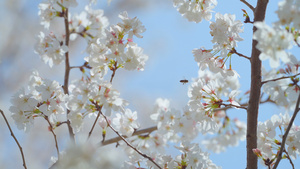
{"x":169,"y":41}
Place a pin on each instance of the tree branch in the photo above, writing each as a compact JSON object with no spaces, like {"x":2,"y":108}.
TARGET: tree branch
{"x":289,"y":158}
{"x":239,"y":54}
{"x":249,"y":5}
{"x":287,"y":132}
{"x":255,"y":89}
{"x":67,"y":69}
{"x":90,"y":133}
{"x":284,"y":77}
{"x":54,"y":135}
{"x":114,"y":72}
{"x":128,"y":144}
{"x":137,"y":132}
{"x":16,"y":140}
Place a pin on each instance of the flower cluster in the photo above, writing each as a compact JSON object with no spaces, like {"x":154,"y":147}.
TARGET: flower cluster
{"x":53,"y":8}
{"x":209,"y":92}
{"x":272,"y":42}
{"x":288,"y":13}
{"x":126,"y":123}
{"x":85,"y":93}
{"x":230,"y":134}
{"x":88,"y":24}
{"x":225,"y":32}
{"x":195,"y":10}
{"x":283,"y":92}
{"x":268,"y":144}
{"x":45,"y":99}
{"x":51,"y":48}
{"x":192,"y":157}
{"x":115,"y":51}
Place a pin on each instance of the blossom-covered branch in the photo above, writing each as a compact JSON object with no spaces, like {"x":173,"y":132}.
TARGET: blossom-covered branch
{"x":280,"y":78}
{"x":287,"y":132}
{"x":135,"y":133}
{"x":128,"y":144}
{"x":54,"y":135}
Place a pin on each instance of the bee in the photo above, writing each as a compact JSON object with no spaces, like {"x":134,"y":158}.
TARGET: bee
{"x":184,"y":81}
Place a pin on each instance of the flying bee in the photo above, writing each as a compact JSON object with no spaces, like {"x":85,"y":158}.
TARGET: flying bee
{"x":184,"y":81}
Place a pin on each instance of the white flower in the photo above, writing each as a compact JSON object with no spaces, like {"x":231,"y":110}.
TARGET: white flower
{"x":135,"y":59}
{"x":288,"y":13}
{"x":272,"y":43}
{"x":132,"y":26}
{"x":126,"y":123}
{"x":195,"y":10}
{"x":47,"y":13}
{"x":225,"y":32}
{"x":76,"y":120}
{"x":50,"y":49}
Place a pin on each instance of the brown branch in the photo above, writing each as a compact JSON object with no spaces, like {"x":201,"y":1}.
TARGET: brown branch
{"x":280,"y":78}
{"x":16,"y":140}
{"x":255,"y":89}
{"x":137,"y":132}
{"x":85,"y":65}
{"x":286,"y":133}
{"x":54,"y":135}
{"x":244,"y":105}
{"x":128,"y":144}
{"x":239,"y":54}
{"x":114,"y":72}
{"x":90,"y":133}
{"x":249,"y":5}
{"x":67,"y":69}
{"x":289,"y":158}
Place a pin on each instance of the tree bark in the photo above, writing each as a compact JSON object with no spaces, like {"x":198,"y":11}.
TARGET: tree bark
{"x":255,"y":90}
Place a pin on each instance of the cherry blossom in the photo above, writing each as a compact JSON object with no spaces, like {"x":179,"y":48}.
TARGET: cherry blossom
{"x":268,"y":144}
{"x":195,"y":10}
{"x":50,"y":48}
{"x":225,"y":32}
{"x":288,"y":13}
{"x":272,"y":43}
{"x":126,"y":123}
{"x":44,"y":98}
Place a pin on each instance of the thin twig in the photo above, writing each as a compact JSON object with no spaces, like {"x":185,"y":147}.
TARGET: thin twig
{"x":85,"y":65}
{"x":286,"y":133}
{"x":16,"y":140}
{"x":244,"y":105}
{"x":54,"y":135}
{"x":137,"y":132}
{"x":289,"y":158}
{"x":284,"y":77}
{"x":249,"y":5}
{"x":90,"y":133}
{"x":114,"y":72}
{"x":128,"y":144}
{"x":239,"y":54}
{"x":231,"y":105}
